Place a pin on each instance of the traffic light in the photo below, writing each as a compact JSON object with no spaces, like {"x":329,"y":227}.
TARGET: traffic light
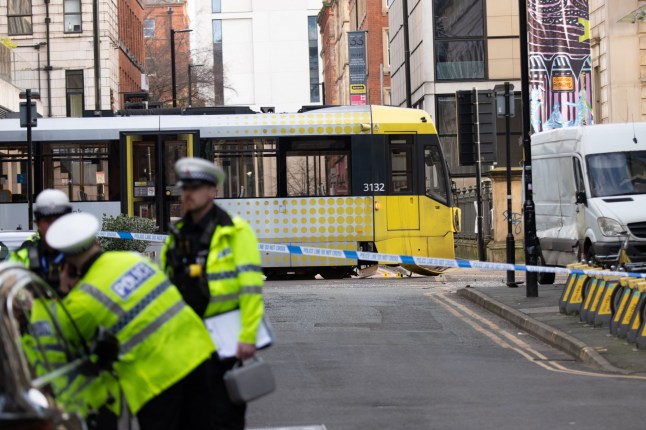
{"x":467,"y":127}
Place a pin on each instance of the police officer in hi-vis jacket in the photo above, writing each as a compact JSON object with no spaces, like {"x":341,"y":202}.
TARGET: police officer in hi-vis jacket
{"x":214,"y":260}
{"x":143,"y":331}
{"x":34,"y":253}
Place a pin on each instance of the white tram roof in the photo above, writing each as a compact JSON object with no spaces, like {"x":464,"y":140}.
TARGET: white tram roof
{"x":342,"y":120}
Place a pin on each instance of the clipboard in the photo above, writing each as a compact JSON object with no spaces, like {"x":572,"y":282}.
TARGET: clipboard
{"x":225,"y":331}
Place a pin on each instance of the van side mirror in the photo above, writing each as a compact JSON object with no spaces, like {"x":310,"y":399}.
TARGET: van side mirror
{"x":581,"y":198}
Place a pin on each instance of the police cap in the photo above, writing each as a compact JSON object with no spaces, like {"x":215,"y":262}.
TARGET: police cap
{"x":51,"y":202}
{"x":198,"y":170}
{"x":73,"y":233}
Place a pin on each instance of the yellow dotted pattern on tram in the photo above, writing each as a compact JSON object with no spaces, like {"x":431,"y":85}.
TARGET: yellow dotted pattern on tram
{"x":322,"y":222}
{"x":303,"y":124}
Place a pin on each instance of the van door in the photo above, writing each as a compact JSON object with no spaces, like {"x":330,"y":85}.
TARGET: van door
{"x":571,"y":223}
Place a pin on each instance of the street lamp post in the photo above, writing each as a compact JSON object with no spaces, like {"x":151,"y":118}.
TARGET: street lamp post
{"x":504,"y":109}
{"x":529,"y":209}
{"x":172,"y":62}
{"x":190,"y":83}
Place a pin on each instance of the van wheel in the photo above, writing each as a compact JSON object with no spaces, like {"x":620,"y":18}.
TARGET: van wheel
{"x":589,"y":256}
{"x":544,"y":278}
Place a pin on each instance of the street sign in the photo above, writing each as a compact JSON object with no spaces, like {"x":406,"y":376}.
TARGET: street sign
{"x":23,"y":115}
{"x":357,"y":66}
{"x":468,"y":127}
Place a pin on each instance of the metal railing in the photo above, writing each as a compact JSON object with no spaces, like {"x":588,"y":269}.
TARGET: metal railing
{"x":465,"y":199}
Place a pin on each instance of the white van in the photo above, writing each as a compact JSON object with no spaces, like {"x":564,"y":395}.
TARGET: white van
{"x":589,"y":188}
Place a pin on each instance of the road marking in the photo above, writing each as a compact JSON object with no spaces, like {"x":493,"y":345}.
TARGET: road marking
{"x":508,"y":341}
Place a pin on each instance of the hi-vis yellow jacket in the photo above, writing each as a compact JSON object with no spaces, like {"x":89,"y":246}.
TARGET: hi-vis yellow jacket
{"x":47,"y":350}
{"x":233,"y":272}
{"x":161,"y":339}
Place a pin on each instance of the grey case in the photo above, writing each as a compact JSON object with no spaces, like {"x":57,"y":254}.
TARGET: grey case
{"x":250,"y":380}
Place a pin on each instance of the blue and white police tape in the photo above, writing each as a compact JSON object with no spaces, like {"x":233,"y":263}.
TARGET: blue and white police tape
{"x":310,"y":251}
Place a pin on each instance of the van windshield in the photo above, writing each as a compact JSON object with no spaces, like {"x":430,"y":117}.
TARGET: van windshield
{"x":617,"y":173}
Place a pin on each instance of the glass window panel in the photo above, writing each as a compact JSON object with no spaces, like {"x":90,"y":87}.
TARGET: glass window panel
{"x":74,"y":79}
{"x":149,"y":27}
{"x":318,"y":167}
{"x":401,"y":170}
{"x":19,"y":25}
{"x":318,"y":174}
{"x":313,"y":59}
{"x":458,"y":18}
{"x":250,"y":166}
{"x":19,"y":7}
{"x":216,"y":6}
{"x":79,"y":170}
{"x":460,"y":60}
{"x":13,"y":171}
{"x":434,"y":183}
{"x":73,"y":23}
{"x":217,"y":31}
{"x":72,"y":6}
{"x":445,"y":120}
{"x":76,"y":105}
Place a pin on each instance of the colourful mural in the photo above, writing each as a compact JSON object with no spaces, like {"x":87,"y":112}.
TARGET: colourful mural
{"x":559,"y":64}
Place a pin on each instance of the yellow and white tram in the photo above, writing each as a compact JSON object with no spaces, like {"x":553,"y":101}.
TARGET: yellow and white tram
{"x":354,"y":177}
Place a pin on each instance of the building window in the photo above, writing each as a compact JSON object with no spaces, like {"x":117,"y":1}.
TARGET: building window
{"x":216,"y":6}
{"x":74,"y":92}
{"x":386,"y":49}
{"x":72,"y":16}
{"x":218,"y":63}
{"x":446,"y":124}
{"x":459,"y":39}
{"x":19,"y":17}
{"x":312,"y":31}
{"x":149,"y":27}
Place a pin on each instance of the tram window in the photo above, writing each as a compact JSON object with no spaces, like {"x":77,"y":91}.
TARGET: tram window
{"x":249,"y":164}
{"x":80,"y":170}
{"x":13,"y":173}
{"x":319,"y":167}
{"x":434,"y":175}
{"x":401,"y":164}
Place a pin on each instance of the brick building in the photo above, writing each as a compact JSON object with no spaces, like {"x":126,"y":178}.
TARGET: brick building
{"x":336,"y":19}
{"x":160,"y":15}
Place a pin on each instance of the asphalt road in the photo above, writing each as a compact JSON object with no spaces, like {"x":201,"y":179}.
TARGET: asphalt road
{"x":408,"y":353}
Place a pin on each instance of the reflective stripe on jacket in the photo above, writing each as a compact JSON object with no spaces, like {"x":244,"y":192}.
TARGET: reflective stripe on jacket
{"x":234,"y":274}
{"x":161,"y":339}
{"x":21,"y":255}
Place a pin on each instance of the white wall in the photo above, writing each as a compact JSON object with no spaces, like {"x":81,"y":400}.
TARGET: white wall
{"x":265,"y":49}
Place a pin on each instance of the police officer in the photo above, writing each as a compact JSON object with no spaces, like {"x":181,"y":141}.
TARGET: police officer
{"x":34,"y":253}
{"x":214,"y":260}
{"x":142,"y":329}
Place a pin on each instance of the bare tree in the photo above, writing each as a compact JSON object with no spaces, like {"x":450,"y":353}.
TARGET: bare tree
{"x":208,"y":81}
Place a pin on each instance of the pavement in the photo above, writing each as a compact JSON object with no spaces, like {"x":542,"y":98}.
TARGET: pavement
{"x":540,"y":317}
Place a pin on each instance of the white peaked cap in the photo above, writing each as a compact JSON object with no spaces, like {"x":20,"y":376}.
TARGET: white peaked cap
{"x":73,"y":233}
{"x":198,"y":169}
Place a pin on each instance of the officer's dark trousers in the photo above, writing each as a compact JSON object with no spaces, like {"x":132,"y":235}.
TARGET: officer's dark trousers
{"x":228,"y":416}
{"x":185,"y":405}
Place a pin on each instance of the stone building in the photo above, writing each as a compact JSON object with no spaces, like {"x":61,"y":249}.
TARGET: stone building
{"x":80,"y":55}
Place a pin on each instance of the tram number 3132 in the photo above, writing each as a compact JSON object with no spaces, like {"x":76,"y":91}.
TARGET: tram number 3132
{"x":375,"y":187}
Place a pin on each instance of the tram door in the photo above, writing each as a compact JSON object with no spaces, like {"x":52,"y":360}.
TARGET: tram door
{"x":150,"y":180}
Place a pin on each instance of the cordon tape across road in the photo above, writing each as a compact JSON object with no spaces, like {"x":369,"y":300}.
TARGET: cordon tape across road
{"x":392,"y":258}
